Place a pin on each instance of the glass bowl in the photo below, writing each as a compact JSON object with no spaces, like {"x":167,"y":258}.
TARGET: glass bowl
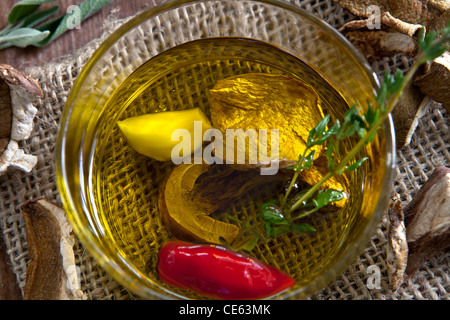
{"x":110,"y":193}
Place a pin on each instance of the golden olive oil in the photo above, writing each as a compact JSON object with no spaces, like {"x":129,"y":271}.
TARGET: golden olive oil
{"x":126,"y":184}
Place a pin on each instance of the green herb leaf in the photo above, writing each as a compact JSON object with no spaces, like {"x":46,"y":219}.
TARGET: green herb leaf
{"x":280,"y":230}
{"x":325,"y":197}
{"x":22,"y":37}
{"x":64,"y":23}
{"x":302,"y":228}
{"x":303,"y":163}
{"x":318,"y":135}
{"x":37,"y":17}
{"x":24,"y":8}
{"x":391,"y":84}
{"x":433,"y":44}
{"x":329,"y":154}
{"x":356,"y":164}
{"x":268,"y":228}
{"x":273,"y":214}
{"x":298,"y":196}
{"x":250,"y":244}
{"x":25,"y":14}
{"x":372,"y":115}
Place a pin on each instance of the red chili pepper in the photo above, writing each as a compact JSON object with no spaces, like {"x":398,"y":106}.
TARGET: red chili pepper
{"x":217,"y":272}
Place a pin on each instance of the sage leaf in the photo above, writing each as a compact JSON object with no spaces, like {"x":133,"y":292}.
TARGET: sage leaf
{"x":23,"y":37}
{"x":24,"y":8}
{"x":64,"y":23}
{"x":38,"y":16}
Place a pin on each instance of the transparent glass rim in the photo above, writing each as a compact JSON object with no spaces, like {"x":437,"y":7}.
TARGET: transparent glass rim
{"x":89,"y":240}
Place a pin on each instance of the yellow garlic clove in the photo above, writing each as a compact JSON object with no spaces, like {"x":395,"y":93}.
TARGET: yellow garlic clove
{"x":151,"y":134}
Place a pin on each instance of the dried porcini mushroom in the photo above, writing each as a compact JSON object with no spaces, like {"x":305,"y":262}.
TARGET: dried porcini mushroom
{"x":9,"y":288}
{"x":406,"y":114}
{"x":5,"y":116}
{"x":16,"y":117}
{"x":397,"y":253}
{"x":265,"y":101}
{"x":391,"y":26}
{"x":185,"y":217}
{"x":51,"y":273}
{"x":428,"y":13}
{"x":427,"y":219}
{"x":194,"y":192}
{"x":435,"y":80}
{"x":377,"y":43}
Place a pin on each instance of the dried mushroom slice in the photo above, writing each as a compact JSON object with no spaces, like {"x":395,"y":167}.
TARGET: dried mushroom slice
{"x":410,"y":29}
{"x":9,"y":288}
{"x":435,"y":81}
{"x":377,"y":43}
{"x":194,"y":193}
{"x":255,"y":101}
{"x":51,"y":273}
{"x":406,"y":114}
{"x":427,"y":220}
{"x":16,"y":78}
{"x":187,"y":218}
{"x":17,"y":114}
{"x":423,"y":12}
{"x":391,"y":26}
{"x":397,"y":253}
{"x":264,"y":101}
{"x":5,"y":116}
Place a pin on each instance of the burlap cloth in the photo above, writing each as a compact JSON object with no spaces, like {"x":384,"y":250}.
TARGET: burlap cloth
{"x":429,"y":148}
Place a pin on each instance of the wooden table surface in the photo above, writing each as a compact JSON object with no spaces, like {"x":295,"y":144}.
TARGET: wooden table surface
{"x":90,"y":29}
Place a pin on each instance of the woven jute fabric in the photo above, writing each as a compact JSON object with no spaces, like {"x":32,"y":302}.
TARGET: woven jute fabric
{"x":428,"y":149}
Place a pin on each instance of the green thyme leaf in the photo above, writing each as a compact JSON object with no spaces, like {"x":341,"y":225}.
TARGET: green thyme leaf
{"x":250,"y":244}
{"x":329,"y":154}
{"x":391,"y":84}
{"x":372,"y":115}
{"x":302,"y":228}
{"x":356,"y":164}
{"x":433,"y":44}
{"x":318,"y":135}
{"x":325,"y":197}
{"x":273,"y":214}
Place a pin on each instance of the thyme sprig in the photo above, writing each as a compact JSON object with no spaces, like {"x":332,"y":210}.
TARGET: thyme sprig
{"x":281,"y":215}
